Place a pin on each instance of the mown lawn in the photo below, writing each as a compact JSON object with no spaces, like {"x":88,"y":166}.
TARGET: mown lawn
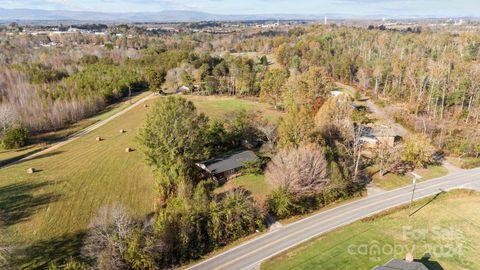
{"x":256,"y":184}
{"x":447,"y":227}
{"x":53,"y":207}
{"x":48,"y":212}
{"x":220,"y":107}
{"x":391,"y":181}
{"x":41,"y":141}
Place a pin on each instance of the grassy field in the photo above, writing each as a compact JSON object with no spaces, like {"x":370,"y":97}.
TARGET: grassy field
{"x":455,"y":214}
{"x":391,"y":181}
{"x":218,"y":107}
{"x":465,"y":163}
{"x":41,"y":141}
{"x":48,"y":212}
{"x":54,"y":206}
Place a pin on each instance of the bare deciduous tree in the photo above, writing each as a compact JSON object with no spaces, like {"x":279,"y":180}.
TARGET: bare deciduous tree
{"x":6,"y":250}
{"x":386,"y":156}
{"x":301,"y":170}
{"x":106,"y":240}
{"x":28,"y":105}
{"x":270,"y":132}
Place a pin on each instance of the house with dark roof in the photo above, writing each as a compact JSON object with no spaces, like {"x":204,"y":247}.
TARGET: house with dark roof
{"x":396,"y":264}
{"x":229,"y":166}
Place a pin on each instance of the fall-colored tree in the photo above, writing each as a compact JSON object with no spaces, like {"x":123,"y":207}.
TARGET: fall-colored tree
{"x":418,"y":150}
{"x":273,"y":86}
{"x":295,"y":127}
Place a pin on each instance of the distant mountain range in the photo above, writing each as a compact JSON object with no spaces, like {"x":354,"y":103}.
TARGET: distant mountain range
{"x":9,"y":15}
{"x":161,"y":16}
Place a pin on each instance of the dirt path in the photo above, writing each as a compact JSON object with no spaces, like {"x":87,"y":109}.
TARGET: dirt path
{"x":375,"y":109}
{"x":382,"y":115}
{"x":81,"y":133}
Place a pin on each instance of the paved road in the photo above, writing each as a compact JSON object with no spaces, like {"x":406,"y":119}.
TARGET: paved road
{"x":252,"y":253}
{"x":82,"y":132}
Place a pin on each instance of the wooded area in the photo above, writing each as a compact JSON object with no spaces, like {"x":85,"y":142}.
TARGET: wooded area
{"x":312,"y":157}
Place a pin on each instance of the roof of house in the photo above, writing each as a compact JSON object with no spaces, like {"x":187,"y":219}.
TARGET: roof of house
{"x":235,"y":161}
{"x":396,"y":264}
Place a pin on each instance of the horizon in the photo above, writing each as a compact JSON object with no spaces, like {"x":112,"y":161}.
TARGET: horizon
{"x":353,"y":8}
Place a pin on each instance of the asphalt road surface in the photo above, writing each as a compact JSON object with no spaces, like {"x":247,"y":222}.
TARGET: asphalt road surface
{"x":250,"y":254}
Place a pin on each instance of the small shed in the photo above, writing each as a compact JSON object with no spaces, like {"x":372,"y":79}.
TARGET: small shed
{"x":229,"y":166}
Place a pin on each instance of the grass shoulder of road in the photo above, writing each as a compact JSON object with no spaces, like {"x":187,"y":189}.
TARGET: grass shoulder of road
{"x":392,"y":181}
{"x":47,"y":212}
{"x":447,"y":227}
{"x":42,"y":141}
{"x":465,"y":162}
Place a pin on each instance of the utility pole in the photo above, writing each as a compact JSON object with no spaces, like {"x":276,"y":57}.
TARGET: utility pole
{"x":415,"y":178}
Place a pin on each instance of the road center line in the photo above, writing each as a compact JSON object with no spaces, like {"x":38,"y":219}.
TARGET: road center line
{"x":331,"y":218}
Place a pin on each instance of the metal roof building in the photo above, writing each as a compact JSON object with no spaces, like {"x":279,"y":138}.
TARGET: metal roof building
{"x":226,"y":166}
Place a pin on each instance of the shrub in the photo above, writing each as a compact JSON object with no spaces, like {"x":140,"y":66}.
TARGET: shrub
{"x":70,"y":264}
{"x":15,"y":138}
{"x":281,"y":203}
{"x":254,"y":167}
{"x":418,"y":151}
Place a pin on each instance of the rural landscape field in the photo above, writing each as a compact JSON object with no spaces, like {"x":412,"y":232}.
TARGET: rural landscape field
{"x":55,"y":205}
{"x":197,"y":135}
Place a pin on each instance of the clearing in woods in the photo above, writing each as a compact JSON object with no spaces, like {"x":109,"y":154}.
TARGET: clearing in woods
{"x":47,"y":212}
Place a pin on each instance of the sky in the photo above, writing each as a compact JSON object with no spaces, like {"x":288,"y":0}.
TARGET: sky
{"x":440,"y":8}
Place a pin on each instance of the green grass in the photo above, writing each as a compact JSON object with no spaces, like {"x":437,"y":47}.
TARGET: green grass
{"x":57,"y":203}
{"x":256,"y":184}
{"x":391,"y":181}
{"x":41,"y":141}
{"x":455,"y":212}
{"x":48,"y":212}
{"x":219,"y":107}
{"x":465,"y":163}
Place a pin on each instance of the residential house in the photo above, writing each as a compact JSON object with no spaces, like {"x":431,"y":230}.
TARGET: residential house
{"x":374,"y":135}
{"x":227,"y":167}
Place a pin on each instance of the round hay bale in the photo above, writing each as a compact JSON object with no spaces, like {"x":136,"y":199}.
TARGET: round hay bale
{"x":122,"y":131}
{"x":31,"y":170}
{"x":145,"y":105}
{"x":128,"y":149}
{"x":99,"y":139}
